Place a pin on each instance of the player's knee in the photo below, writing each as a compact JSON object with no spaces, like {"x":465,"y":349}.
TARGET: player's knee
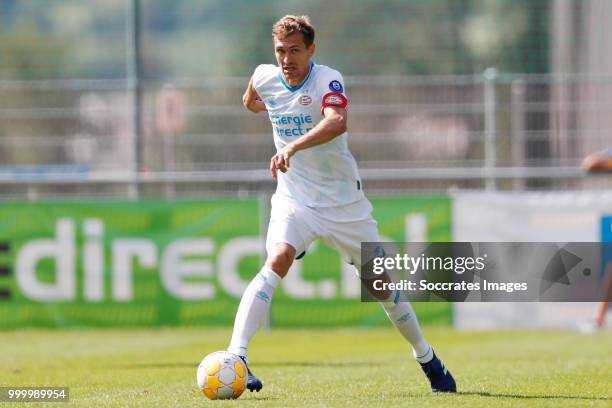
{"x":279,"y":263}
{"x":280,"y":259}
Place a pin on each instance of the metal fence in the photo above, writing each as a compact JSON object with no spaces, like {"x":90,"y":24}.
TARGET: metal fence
{"x":77,"y":139}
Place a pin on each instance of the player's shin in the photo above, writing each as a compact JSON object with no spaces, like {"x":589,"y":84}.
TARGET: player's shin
{"x":254,"y":306}
{"x":402,"y":316}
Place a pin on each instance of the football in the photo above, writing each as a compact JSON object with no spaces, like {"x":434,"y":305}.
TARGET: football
{"x":222,"y":375}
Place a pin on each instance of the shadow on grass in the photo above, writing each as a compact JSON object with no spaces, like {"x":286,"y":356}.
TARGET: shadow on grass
{"x":255,"y":398}
{"x":428,"y":395}
{"x":519,"y":396}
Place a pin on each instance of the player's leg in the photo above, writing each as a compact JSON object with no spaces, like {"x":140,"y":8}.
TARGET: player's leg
{"x":287,"y":234}
{"x":600,"y":314}
{"x":398,"y":310}
{"x":255,"y":301}
{"x":255,"y":304}
{"x":402,"y":316}
{"x":346,"y":236}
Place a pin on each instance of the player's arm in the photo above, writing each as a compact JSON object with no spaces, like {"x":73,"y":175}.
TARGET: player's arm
{"x":251,"y":99}
{"x":332,"y":125}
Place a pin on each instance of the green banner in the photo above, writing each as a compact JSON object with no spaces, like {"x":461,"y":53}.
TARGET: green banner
{"x":150,"y":263}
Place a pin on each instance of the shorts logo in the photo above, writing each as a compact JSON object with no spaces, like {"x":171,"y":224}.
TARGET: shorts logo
{"x":335,"y":86}
{"x":305,"y":100}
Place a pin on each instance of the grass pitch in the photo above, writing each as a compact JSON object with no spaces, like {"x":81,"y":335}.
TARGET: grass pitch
{"x":313,"y":368}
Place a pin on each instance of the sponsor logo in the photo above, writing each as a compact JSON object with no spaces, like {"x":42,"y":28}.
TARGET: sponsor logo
{"x":335,"y":86}
{"x":289,"y":125}
{"x":305,"y":100}
{"x":100,"y":279}
{"x":297,"y":120}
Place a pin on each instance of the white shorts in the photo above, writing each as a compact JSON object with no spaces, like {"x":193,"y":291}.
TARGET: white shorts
{"x":343,"y":228}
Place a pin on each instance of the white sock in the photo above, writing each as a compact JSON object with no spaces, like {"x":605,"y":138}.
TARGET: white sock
{"x":404,"y":319}
{"x":254,"y":305}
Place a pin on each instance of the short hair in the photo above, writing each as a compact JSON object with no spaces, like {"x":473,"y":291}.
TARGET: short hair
{"x":294,"y":24}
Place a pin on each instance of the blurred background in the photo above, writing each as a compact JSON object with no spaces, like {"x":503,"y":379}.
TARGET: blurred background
{"x":122,"y":120}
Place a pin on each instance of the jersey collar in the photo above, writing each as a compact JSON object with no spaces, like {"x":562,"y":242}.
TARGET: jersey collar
{"x":297,"y":87}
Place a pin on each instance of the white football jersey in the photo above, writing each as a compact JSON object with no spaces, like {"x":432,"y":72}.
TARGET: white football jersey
{"x":321,"y":176}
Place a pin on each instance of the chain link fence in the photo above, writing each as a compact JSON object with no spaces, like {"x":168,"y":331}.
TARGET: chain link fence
{"x":469,"y":94}
{"x":407,"y":133}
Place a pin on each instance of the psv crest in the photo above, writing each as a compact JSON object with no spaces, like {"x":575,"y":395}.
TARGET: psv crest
{"x":305,"y":100}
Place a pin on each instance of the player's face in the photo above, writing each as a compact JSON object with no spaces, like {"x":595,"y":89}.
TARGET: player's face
{"x":293,"y":57}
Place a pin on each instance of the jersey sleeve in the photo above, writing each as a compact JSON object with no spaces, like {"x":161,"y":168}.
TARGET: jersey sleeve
{"x":331,"y":88}
{"x":259,"y":76}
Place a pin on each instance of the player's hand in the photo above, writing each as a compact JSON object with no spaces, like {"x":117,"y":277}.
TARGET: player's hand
{"x":280,"y":161}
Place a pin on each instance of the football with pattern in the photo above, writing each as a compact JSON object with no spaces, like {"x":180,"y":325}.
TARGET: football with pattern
{"x":222,"y":375}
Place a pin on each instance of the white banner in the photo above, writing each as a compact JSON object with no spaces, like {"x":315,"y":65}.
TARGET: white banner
{"x":525,"y":217}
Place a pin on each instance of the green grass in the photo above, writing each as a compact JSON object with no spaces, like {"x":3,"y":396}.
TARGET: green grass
{"x":313,"y":368}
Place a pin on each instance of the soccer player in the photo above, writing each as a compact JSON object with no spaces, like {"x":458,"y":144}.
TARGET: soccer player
{"x":319,"y":193}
